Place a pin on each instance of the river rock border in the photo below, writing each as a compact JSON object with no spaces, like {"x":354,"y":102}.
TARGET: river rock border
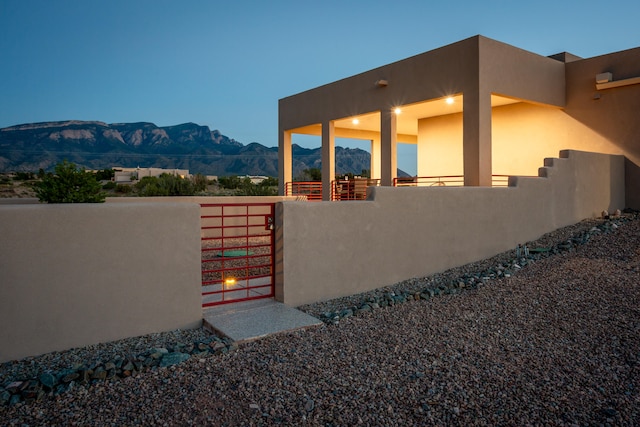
{"x":121,"y":366}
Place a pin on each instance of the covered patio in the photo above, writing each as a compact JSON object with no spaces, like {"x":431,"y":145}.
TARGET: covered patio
{"x":442,"y":101}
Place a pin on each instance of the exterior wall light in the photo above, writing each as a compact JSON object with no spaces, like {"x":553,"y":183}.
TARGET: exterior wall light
{"x":382,"y":83}
{"x":230,"y":281}
{"x":449,"y":100}
{"x":603,"y":78}
{"x":355,"y":121}
{"x":397,"y":110}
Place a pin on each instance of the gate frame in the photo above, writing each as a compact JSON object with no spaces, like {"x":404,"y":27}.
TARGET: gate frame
{"x":269,"y":224}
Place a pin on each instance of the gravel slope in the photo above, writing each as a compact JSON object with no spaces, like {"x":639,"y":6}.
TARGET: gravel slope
{"x":556,"y":344}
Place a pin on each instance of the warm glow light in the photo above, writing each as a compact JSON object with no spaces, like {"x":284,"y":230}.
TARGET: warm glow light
{"x":355,"y":121}
{"x":229,"y":281}
{"x":397,"y":111}
{"x":449,"y":100}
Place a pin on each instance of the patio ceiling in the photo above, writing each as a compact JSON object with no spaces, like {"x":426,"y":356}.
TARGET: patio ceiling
{"x":407,"y":124}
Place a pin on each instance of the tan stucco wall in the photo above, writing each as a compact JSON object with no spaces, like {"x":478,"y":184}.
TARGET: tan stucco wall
{"x":522,"y":134}
{"x":328,"y":250}
{"x":448,"y":70}
{"x":79,"y":274}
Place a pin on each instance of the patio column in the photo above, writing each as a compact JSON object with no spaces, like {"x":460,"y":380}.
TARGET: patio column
{"x":388,"y":148}
{"x":476,"y":137}
{"x":374,"y":165}
{"x":423,"y":148}
{"x":285,"y":161}
{"x":328,"y":158}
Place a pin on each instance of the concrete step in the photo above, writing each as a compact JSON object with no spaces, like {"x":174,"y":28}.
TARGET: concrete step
{"x":250,"y":320}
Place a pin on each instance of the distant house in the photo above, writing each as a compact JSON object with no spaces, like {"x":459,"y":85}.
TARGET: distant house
{"x":129,"y":175}
{"x":474,"y":109}
{"x":255,"y":179}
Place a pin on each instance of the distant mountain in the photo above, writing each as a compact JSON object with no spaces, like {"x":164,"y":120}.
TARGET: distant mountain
{"x":98,"y":145}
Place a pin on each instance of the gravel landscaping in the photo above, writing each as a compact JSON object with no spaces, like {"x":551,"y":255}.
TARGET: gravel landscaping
{"x":548,"y":334}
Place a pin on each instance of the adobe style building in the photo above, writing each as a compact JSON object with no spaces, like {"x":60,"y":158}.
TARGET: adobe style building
{"x":475,"y":108}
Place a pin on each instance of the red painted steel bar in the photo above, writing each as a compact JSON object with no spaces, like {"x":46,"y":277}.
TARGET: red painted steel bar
{"x":237,"y":252}
{"x":311,"y":189}
{"x":445,"y":180}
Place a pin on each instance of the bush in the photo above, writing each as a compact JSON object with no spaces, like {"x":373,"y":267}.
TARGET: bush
{"x":230,"y":182}
{"x":69,"y":184}
{"x":109,"y":185}
{"x":199,"y":182}
{"x":105,"y":174}
{"x":165,"y":185}
{"x":124,"y":189}
{"x":24,"y":176}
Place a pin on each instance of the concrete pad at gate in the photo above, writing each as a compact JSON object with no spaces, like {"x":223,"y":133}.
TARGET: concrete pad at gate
{"x":251,"y":320}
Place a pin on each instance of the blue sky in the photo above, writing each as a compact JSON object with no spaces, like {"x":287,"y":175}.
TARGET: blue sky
{"x":226,"y":63}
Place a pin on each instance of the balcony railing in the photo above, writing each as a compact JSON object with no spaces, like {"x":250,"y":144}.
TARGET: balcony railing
{"x":445,"y":181}
{"x":356,"y":188}
{"x":352,"y":189}
{"x":312,"y":190}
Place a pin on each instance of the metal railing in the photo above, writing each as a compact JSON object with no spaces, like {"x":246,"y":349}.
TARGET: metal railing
{"x":312,"y":190}
{"x":356,"y":188}
{"x":352,"y":189}
{"x":445,"y":181}
{"x":341,"y":189}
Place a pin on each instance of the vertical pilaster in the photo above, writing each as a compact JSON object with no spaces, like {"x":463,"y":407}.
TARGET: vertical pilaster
{"x":374,"y":165}
{"x":285,"y":160}
{"x":328,"y":158}
{"x":422,"y":149}
{"x":476,"y":139}
{"x":388,"y":147}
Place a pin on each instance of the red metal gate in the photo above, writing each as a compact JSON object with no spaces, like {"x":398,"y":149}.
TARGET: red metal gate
{"x":237,"y":252}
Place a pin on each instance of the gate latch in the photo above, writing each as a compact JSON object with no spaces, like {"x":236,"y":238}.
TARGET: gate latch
{"x":269,"y":224}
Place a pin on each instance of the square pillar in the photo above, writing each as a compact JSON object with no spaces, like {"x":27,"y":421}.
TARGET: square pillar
{"x":328,"y":158}
{"x":374,"y":165}
{"x":388,"y":148}
{"x":476,"y":138}
{"x":423,"y":148}
{"x":285,"y":161}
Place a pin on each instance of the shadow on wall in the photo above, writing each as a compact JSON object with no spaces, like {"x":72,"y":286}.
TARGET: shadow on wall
{"x":632,"y":184}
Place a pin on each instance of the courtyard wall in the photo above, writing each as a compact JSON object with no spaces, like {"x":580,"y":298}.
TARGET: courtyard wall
{"x":328,"y":250}
{"x":78,"y":274}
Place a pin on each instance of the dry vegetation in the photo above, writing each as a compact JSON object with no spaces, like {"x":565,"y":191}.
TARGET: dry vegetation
{"x":13,"y":187}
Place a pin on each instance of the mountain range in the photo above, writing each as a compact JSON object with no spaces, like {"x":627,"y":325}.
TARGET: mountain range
{"x":98,"y":145}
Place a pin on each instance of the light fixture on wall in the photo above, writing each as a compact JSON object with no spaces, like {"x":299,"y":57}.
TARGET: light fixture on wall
{"x":397,"y":110}
{"x":355,"y":121}
{"x":382,"y":83}
{"x":449,"y":100}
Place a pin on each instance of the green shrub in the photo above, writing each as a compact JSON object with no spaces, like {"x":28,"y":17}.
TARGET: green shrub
{"x":165,"y":185}
{"x":69,"y":184}
{"x":109,"y":185}
{"x":124,"y":189}
{"x":105,"y":174}
{"x":199,"y":182}
{"x":23,"y":176}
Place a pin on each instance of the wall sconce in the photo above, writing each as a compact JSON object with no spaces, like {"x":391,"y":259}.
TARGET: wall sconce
{"x":382,"y":83}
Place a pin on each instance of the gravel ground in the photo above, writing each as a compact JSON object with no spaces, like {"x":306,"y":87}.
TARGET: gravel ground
{"x":556,"y":344}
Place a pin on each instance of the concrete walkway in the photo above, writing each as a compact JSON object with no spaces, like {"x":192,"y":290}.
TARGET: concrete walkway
{"x":251,"y":320}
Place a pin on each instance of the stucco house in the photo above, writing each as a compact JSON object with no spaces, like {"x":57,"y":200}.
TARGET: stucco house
{"x":565,"y":130}
{"x":477,"y":108}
